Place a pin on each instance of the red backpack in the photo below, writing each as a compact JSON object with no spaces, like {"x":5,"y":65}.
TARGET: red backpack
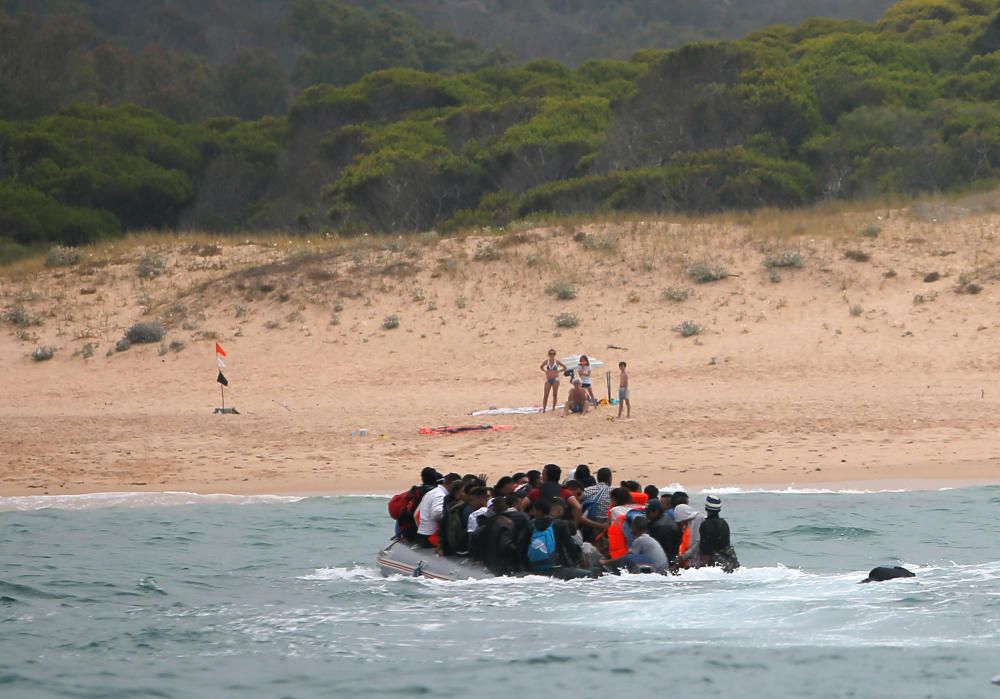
{"x":403,"y":508}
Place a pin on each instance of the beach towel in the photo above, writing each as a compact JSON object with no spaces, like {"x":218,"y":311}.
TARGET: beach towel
{"x":455,"y":429}
{"x":528,"y":410}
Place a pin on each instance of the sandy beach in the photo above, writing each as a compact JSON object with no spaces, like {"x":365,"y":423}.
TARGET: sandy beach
{"x":871,"y":364}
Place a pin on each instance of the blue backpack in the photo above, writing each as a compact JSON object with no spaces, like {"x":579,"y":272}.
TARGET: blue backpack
{"x":589,"y":507}
{"x":627,"y":524}
{"x":542,"y":549}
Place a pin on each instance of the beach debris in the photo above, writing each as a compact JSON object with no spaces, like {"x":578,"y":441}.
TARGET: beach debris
{"x":616,"y":347}
{"x":456,"y":429}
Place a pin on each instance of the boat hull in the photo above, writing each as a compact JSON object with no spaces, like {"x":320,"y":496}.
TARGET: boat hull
{"x":401,"y":558}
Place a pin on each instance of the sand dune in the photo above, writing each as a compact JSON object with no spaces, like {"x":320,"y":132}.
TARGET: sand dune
{"x":841,"y":371}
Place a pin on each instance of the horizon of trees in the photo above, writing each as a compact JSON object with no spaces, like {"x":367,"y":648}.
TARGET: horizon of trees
{"x":785,"y":117}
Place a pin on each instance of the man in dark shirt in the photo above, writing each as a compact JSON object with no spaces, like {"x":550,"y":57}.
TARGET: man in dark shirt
{"x":663,"y":529}
{"x":497,"y":542}
{"x":714,"y":544}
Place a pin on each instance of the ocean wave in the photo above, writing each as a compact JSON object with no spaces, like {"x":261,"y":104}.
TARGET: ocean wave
{"x":87,"y":501}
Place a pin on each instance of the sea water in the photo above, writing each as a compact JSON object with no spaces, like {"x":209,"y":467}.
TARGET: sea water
{"x":178,"y":595}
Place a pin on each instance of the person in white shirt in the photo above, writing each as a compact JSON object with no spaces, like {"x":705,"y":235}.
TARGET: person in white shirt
{"x":476,"y":497}
{"x":430,"y":512}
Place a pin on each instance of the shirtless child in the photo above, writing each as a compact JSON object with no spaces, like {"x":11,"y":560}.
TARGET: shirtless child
{"x":623,"y":401}
{"x":578,"y":399}
{"x":553,"y":369}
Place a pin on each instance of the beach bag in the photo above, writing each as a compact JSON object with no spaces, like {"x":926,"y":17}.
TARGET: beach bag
{"x":542,"y":549}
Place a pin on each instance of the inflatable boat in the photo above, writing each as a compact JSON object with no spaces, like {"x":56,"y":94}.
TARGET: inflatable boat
{"x":402,"y":558}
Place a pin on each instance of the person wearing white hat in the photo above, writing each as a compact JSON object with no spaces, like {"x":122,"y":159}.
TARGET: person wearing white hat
{"x":689,"y":522}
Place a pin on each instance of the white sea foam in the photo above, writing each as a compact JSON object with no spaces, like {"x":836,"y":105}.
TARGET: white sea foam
{"x":135,"y":500}
{"x":335,"y":573}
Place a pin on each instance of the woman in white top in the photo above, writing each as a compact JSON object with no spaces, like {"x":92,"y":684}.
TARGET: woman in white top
{"x":584,"y":371}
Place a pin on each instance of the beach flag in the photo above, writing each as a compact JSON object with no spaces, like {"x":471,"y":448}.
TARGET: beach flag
{"x":219,"y":351}
{"x":219,"y":363}
{"x":222,"y":379}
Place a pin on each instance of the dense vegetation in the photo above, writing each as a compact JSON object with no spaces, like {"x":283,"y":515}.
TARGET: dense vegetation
{"x":573,"y":31}
{"x":196,"y":59}
{"x":787,"y":116}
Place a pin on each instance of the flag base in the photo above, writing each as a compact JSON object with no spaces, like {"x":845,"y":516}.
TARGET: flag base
{"x":226,"y":411}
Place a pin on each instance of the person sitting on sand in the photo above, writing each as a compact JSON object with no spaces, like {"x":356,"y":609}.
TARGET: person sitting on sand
{"x":577,"y":400}
{"x":553,"y":369}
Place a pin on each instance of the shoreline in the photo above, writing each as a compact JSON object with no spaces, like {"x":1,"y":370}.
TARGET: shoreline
{"x":819,"y":487}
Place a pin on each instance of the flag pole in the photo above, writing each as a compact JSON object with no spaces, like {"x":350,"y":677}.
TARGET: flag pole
{"x":223,"y":390}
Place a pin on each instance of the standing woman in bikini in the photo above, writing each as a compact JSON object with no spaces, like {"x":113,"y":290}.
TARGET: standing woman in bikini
{"x":553,"y":369}
{"x":584,"y":371}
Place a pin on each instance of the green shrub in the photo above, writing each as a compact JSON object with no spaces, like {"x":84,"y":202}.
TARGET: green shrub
{"x":567,"y":320}
{"x":21,"y":317}
{"x":871,"y":231}
{"x":967,"y":286}
{"x":856,"y":310}
{"x":144,"y":333}
{"x":702,"y":273}
{"x":562,"y":290}
{"x":633,"y":297}
{"x":122,"y":345}
{"x":43,"y":354}
{"x":676,"y":295}
{"x":391,"y":322}
{"x":62,"y":256}
{"x":151,"y":265}
{"x":88,"y":350}
{"x":599,"y":243}
{"x":486,"y":252}
{"x":688,"y":328}
{"x":787,"y":258}
{"x":857,"y":255}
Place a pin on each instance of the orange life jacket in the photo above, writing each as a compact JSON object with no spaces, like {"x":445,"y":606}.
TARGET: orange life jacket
{"x":640,"y":499}
{"x":685,"y":540}
{"x":617,"y":543}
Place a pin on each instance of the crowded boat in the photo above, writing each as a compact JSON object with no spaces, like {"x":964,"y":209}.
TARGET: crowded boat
{"x":538,"y":523}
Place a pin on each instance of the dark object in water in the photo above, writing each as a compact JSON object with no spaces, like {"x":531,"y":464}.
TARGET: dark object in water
{"x":883,"y":573}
